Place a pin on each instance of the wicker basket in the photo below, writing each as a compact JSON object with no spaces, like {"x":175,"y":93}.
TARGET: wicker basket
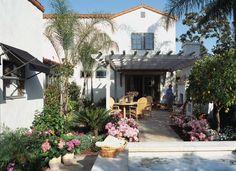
{"x":121,"y":149}
{"x":108,"y":152}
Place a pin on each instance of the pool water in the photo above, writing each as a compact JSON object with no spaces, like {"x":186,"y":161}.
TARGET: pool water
{"x":183,"y":162}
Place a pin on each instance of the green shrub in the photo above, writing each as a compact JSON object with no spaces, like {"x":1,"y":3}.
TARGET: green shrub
{"x":52,"y":95}
{"x":74,"y":91}
{"x":94,"y":118}
{"x":50,"y":119}
{"x":21,"y":149}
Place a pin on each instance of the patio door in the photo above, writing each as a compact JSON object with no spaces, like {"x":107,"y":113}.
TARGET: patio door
{"x":146,"y":85}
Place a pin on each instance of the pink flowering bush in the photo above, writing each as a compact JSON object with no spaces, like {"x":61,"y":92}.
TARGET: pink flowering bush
{"x":72,"y":144}
{"x":123,"y":128}
{"x":45,"y":146}
{"x":194,"y":129}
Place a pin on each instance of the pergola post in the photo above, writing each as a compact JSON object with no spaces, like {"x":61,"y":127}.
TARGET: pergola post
{"x":115,"y":77}
{"x":108,"y":85}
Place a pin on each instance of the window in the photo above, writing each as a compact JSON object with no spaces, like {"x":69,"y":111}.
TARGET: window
{"x":142,"y":14}
{"x":101,"y":74}
{"x":13,"y":82}
{"x":142,"y":41}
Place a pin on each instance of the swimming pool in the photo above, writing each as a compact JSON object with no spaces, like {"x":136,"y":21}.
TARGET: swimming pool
{"x":201,"y":161}
{"x":172,"y":156}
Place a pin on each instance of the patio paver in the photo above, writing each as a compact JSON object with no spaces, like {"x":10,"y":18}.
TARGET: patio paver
{"x":156,"y":127}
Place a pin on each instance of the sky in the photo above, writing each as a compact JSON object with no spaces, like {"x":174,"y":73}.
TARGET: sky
{"x":115,"y":6}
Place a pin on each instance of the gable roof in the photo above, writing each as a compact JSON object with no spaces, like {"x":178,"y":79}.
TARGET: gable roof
{"x":145,"y":7}
{"x":37,"y":4}
{"x":112,"y":16}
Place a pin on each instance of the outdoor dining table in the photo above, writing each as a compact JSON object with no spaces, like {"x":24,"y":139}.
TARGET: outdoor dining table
{"x":125,"y":105}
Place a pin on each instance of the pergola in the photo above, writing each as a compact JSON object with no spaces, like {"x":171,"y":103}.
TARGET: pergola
{"x":142,"y":62}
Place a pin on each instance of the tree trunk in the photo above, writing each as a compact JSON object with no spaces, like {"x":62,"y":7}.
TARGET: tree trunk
{"x":84,"y":87}
{"x":218,"y":120}
{"x":95,"y":131}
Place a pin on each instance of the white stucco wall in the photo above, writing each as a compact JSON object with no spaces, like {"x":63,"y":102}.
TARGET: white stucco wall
{"x":21,"y":26}
{"x":132,"y":22}
{"x":125,"y":25}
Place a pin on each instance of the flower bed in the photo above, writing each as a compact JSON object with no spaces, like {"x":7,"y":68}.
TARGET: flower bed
{"x":191,"y":129}
{"x":123,"y":128}
{"x":31,"y":150}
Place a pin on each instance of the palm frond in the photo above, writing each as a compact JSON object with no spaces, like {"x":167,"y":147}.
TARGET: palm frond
{"x":180,"y":7}
{"x":216,"y":9}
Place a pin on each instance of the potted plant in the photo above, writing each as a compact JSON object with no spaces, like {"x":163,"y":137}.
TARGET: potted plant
{"x":131,"y":95}
{"x":51,"y":152}
{"x":69,"y":144}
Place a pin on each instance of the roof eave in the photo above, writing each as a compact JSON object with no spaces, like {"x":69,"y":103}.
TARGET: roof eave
{"x":37,"y":4}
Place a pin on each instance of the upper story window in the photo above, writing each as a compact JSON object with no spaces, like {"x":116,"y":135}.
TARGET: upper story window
{"x":101,"y":74}
{"x":142,"y":41}
{"x":142,"y":14}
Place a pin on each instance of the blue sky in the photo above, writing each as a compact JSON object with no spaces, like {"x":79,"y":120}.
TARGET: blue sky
{"x":114,"y":6}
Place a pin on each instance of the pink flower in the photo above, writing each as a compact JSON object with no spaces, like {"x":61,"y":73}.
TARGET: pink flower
{"x":48,"y":132}
{"x":10,"y":167}
{"x":109,"y":125}
{"x":30,"y":132}
{"x":61,"y":144}
{"x":45,"y":146}
{"x":202,"y":136}
{"x":76,"y":142}
{"x":192,"y":138}
{"x":113,"y":131}
{"x":70,"y":146}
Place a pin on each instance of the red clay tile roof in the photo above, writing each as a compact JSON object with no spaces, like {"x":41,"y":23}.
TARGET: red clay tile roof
{"x":37,"y":4}
{"x":142,"y":6}
{"x":48,"y":16}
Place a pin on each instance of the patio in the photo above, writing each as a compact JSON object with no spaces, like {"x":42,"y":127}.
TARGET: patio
{"x":156,"y":128}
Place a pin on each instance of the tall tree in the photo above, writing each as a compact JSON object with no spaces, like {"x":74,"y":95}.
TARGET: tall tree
{"x":61,"y":33}
{"x":219,"y":29}
{"x":74,"y":40}
{"x":91,"y":41}
{"x":214,"y":9}
{"x":213,"y":80}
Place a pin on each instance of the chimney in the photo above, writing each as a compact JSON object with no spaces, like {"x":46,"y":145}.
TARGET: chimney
{"x":190,"y":47}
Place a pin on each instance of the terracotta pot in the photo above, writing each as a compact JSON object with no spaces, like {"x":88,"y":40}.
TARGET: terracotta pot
{"x":55,"y":163}
{"x":68,"y":159}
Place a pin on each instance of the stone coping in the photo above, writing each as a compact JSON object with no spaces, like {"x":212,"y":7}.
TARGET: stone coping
{"x":182,"y":146}
{"x":121,"y":161}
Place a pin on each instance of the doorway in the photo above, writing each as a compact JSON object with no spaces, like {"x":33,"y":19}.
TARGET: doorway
{"x":146,"y":85}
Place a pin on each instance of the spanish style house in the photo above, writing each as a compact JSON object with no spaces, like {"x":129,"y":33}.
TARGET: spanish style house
{"x":141,"y":34}
{"x":145,"y":61}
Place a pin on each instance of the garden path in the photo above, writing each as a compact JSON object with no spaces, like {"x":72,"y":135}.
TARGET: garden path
{"x":156,"y":127}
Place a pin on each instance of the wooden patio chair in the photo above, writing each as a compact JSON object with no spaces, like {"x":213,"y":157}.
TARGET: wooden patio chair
{"x":148,"y":108}
{"x":137,"y":111}
{"x":113,"y":107}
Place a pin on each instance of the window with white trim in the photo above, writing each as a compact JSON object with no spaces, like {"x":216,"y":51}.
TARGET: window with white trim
{"x":142,"y":41}
{"x":101,"y":74}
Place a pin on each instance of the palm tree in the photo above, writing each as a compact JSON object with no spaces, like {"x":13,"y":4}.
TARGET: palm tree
{"x":214,"y":9}
{"x":91,"y":40}
{"x":74,"y":40}
{"x":61,"y":33}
